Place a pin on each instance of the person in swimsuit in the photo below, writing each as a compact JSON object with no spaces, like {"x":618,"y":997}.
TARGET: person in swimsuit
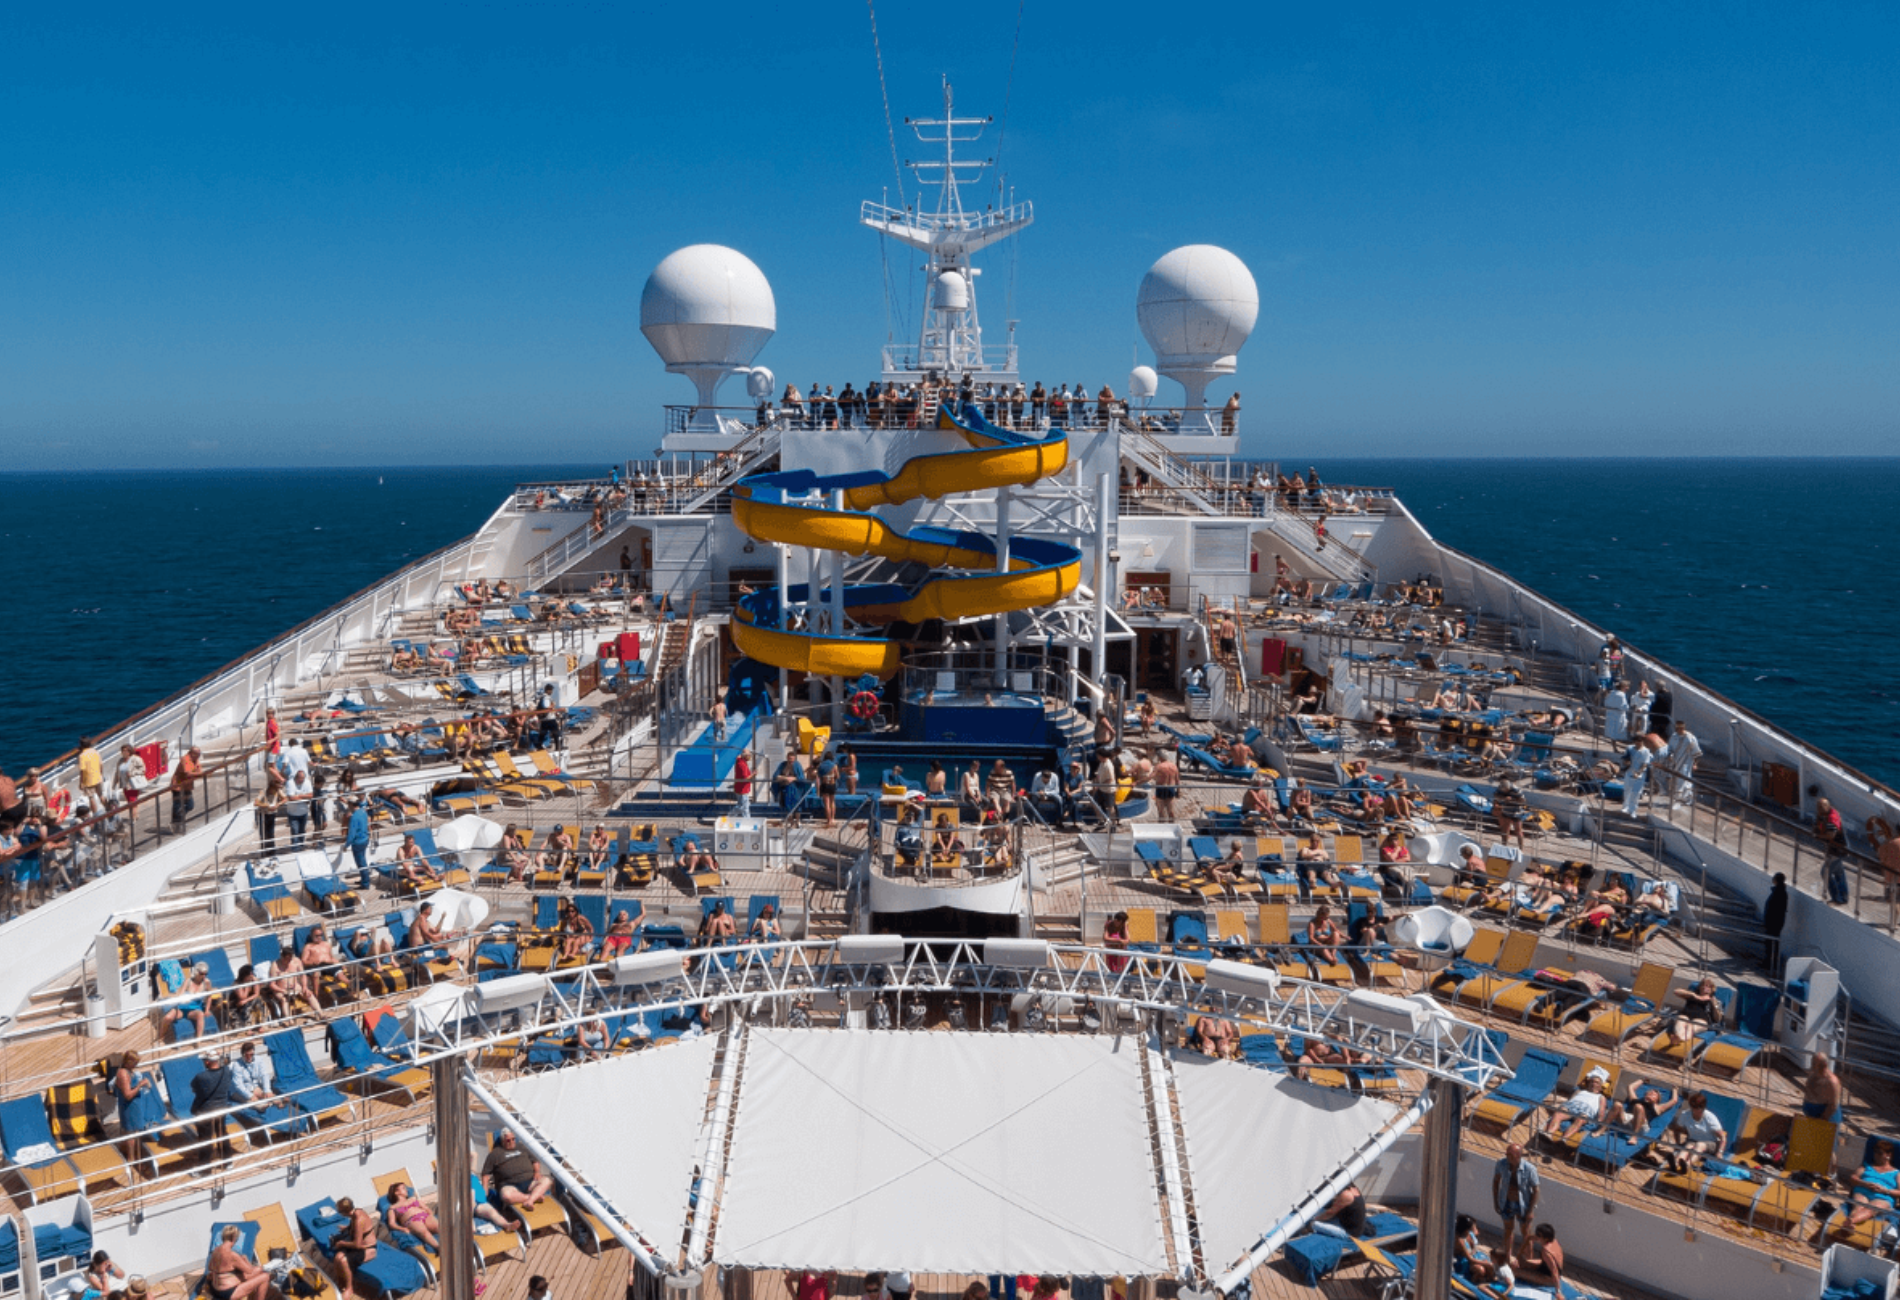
{"x":718,"y":923}
{"x":619,"y":935}
{"x":1167,"y":785}
{"x":1875,"y":1187}
{"x":1469,"y":1259}
{"x":102,"y":1273}
{"x":1543,"y":1259}
{"x":576,"y":930}
{"x":231,"y":1276}
{"x":1323,"y":936}
{"x":765,"y":927}
{"x":353,"y":1246}
{"x":1115,"y":937}
{"x":408,"y":1214}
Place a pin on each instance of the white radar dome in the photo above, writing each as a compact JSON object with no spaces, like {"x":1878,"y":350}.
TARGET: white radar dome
{"x":951,"y":293}
{"x":1196,"y":307}
{"x":759,"y":383}
{"x":1143,"y":383}
{"x":707,"y":310}
{"x":707,"y":305}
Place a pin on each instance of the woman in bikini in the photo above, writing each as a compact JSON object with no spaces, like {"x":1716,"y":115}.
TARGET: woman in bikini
{"x":408,"y":1214}
{"x":230,"y":1275}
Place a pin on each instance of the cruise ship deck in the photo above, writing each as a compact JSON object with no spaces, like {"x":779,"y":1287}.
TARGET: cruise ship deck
{"x":203,"y":888}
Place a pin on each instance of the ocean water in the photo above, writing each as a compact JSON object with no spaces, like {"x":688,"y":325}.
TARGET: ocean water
{"x":1767,"y":580}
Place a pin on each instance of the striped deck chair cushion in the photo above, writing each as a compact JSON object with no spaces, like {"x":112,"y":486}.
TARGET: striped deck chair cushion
{"x":73,"y":1114}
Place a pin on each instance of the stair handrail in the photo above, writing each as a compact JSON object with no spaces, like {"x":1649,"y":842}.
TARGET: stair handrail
{"x":756,"y":446}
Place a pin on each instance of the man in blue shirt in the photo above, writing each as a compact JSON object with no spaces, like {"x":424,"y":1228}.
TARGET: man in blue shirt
{"x":357,"y":837}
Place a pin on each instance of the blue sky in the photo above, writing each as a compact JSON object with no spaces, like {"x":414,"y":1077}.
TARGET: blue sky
{"x":400,"y":234}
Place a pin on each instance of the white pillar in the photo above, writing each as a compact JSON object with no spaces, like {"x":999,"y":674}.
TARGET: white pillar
{"x":837,"y":619}
{"x":784,"y":585}
{"x":1104,"y":502}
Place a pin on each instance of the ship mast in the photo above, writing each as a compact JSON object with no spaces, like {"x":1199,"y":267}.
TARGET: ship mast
{"x":950,"y":337}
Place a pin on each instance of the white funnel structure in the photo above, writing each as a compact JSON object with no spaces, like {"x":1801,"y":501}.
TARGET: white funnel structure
{"x":707,"y":310}
{"x":1196,"y":307}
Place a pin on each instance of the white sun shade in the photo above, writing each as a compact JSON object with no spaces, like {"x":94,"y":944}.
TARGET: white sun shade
{"x":1258,"y":1143}
{"x":631,"y":1123}
{"x":953,"y":1153}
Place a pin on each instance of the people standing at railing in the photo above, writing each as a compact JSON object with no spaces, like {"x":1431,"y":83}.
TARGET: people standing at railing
{"x":1616,"y":712}
{"x":1833,"y":836}
{"x":1230,"y":415}
{"x":184,"y":784}
{"x":1680,"y":760}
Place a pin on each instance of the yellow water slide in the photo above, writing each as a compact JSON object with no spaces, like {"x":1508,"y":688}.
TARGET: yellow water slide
{"x":798,"y":508}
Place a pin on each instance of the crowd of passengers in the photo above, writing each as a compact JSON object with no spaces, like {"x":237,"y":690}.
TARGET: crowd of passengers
{"x":897,"y":406}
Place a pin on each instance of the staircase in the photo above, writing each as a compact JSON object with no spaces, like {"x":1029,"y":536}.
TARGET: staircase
{"x":746,"y":459}
{"x":1073,"y":731}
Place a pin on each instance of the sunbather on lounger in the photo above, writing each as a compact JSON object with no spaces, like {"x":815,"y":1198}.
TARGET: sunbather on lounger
{"x":619,"y":936}
{"x":405,"y":660}
{"x":599,"y":848}
{"x":1300,"y":803}
{"x":412,"y":865}
{"x":558,"y":855}
{"x":1257,"y":805}
{"x":1218,"y":1038}
{"x":576,"y":930}
{"x":1695,"y":1132}
{"x":1589,"y":1104}
{"x":694,"y":859}
{"x":1327,"y":1057}
{"x":408,"y":1214}
{"x":231,"y":1275}
{"x":1323,"y":935}
{"x":1648,"y":1100}
{"x":1469,"y":1259}
{"x":765,"y":926}
{"x":1700,"y":1009}
{"x":199,"y":991}
{"x":512,"y":853}
{"x":1542,"y":1262}
{"x":1313,"y":863}
{"x":1875,"y":1187}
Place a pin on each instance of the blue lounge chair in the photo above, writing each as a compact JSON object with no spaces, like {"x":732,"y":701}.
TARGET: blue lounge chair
{"x":370,"y":1071}
{"x":1529,"y":1087}
{"x":1614,"y":1148}
{"x":297,"y":1077}
{"x":268,"y":891}
{"x":390,"y":1271}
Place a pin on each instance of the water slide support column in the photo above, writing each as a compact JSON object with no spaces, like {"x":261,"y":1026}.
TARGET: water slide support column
{"x":784,"y":585}
{"x":1001,"y":633}
{"x":837,"y":620}
{"x":1438,"y":1189}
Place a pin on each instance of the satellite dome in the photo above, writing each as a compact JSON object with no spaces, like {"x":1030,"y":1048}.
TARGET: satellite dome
{"x":1197,"y":304}
{"x":1142,"y":383}
{"x":1196,"y":307}
{"x":707,"y":305}
{"x":951,"y":292}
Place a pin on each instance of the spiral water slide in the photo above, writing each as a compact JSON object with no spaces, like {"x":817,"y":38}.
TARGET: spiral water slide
{"x":799,"y":508}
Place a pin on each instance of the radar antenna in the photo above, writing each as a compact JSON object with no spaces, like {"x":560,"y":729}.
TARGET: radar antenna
{"x":950,"y":339}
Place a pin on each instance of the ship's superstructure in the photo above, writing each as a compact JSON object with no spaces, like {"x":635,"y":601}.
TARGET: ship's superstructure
{"x":1036,"y":835}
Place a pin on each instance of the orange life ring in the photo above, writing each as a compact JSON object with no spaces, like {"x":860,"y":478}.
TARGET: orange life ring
{"x":864,"y":705}
{"x":59,"y":803}
{"x":1879,"y":830}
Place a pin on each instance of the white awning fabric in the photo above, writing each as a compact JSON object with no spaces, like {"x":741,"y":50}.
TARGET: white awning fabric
{"x":952,"y":1153}
{"x":945,"y":1152}
{"x":1259,"y":1143}
{"x":631,"y":1124}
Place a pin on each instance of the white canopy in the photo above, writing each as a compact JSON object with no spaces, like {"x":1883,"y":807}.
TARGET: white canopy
{"x":944,"y":1152}
{"x":1258,"y":1143}
{"x":632,"y":1122}
{"x":949,"y":1152}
